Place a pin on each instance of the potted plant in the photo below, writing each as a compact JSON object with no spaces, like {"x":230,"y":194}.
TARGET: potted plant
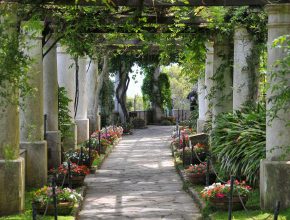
{"x":81,"y":157}
{"x":217,"y":195}
{"x":196,"y":174}
{"x":77,"y":174}
{"x":66,"y":198}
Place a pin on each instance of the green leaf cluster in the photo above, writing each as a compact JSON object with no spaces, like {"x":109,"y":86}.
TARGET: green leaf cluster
{"x":239,"y":142}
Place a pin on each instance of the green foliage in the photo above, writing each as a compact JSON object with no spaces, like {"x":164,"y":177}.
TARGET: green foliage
{"x":239,"y":142}
{"x":180,"y":86}
{"x":165,"y":91}
{"x":163,"y":84}
{"x":280,"y":97}
{"x":64,"y":118}
{"x":13,"y":62}
{"x":107,"y":101}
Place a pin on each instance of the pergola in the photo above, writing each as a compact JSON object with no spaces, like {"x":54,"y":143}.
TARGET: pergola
{"x":56,"y":70}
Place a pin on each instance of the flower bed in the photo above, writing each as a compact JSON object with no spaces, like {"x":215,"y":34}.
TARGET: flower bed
{"x":217,"y":194}
{"x":75,"y":156}
{"x":196,"y":174}
{"x":77,"y":174}
{"x":66,"y":199}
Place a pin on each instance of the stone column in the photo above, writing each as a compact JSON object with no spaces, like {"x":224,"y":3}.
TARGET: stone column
{"x":202,"y":107}
{"x":12,"y":167}
{"x":157,"y":110}
{"x":208,"y":80}
{"x":222,"y":94}
{"x":82,"y":120}
{"x":67,"y":79}
{"x":92,"y":80}
{"x":31,"y":116}
{"x":275,"y":170}
{"x":53,"y":135}
{"x":245,"y":79}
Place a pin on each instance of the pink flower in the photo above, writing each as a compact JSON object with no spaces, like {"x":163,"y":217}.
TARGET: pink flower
{"x":220,"y":195}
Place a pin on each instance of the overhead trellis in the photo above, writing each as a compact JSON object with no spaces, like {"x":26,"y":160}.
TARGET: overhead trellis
{"x":153,"y":3}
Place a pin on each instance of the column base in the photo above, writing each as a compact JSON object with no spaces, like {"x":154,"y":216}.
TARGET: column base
{"x":53,"y":139}
{"x":12,"y":186}
{"x":36,"y":163}
{"x":274,"y":184}
{"x":200,"y":125}
{"x":70,"y":142}
{"x":82,"y":130}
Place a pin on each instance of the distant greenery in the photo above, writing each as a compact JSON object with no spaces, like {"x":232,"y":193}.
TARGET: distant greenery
{"x":107,"y":101}
{"x":64,"y":118}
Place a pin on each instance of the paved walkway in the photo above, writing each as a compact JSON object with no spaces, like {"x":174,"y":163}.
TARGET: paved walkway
{"x":138,"y":181}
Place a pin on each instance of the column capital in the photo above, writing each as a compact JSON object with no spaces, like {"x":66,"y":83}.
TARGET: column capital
{"x":279,"y":15}
{"x":241,"y":33}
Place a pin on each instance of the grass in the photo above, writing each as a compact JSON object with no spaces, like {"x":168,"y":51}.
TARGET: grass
{"x":27,"y":215}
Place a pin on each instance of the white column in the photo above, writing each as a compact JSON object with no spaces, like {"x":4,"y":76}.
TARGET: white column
{"x":67,"y":79}
{"x":31,"y":117}
{"x":202,"y":107}
{"x":222,"y":95}
{"x":208,"y":80}
{"x":53,"y":135}
{"x":275,"y":170}
{"x":82,"y":120}
{"x":245,"y":82}
{"x":12,"y":173}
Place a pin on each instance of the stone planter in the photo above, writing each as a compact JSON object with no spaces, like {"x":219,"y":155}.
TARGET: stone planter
{"x":76,"y":181}
{"x":223,"y":203}
{"x":63,"y":208}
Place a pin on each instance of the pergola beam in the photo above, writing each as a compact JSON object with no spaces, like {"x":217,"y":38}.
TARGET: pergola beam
{"x":155,"y":3}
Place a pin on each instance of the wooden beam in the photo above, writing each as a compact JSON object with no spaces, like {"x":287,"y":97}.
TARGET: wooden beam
{"x":155,"y":3}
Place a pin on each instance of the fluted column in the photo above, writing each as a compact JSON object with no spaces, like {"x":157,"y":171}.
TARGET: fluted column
{"x":31,"y":116}
{"x":82,"y":120}
{"x":12,"y":173}
{"x":245,"y":80}
{"x":208,"y":80}
{"x":67,"y":79}
{"x":53,"y":135}
{"x":275,"y":170}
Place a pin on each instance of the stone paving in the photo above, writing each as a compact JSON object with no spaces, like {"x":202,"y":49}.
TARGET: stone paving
{"x":138,"y":181}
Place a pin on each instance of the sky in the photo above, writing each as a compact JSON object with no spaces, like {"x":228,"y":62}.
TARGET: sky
{"x":135,"y":85}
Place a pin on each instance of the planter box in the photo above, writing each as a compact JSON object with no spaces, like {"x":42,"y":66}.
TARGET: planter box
{"x":63,"y":208}
{"x":223,"y":203}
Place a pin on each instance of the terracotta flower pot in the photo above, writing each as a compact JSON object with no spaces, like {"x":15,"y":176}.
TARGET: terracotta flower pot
{"x":63,"y":208}
{"x":223,"y":203}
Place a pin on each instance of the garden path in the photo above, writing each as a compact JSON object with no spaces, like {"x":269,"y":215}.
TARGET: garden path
{"x":138,"y":181}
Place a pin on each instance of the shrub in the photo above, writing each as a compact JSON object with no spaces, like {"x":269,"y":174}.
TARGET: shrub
{"x":239,"y":142}
{"x":138,"y":123}
{"x":166,"y":122}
